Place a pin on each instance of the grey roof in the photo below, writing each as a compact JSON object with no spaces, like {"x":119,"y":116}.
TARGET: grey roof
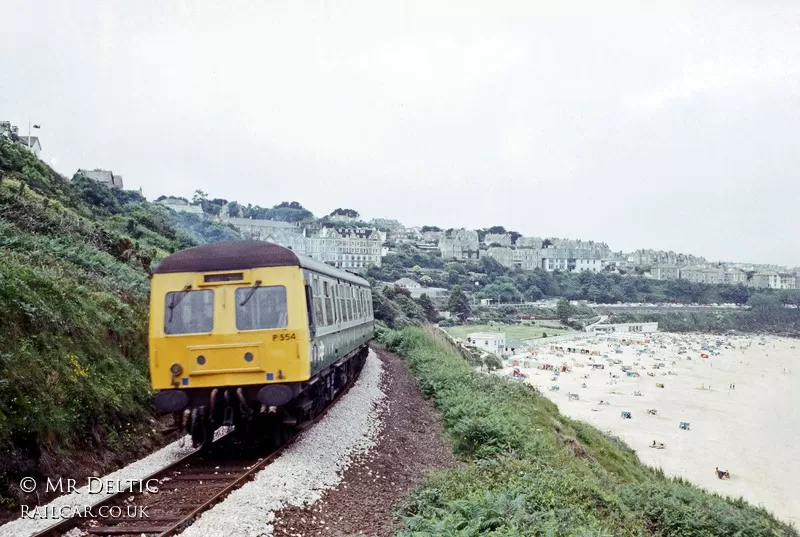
{"x":34,"y":139}
{"x":102,"y":176}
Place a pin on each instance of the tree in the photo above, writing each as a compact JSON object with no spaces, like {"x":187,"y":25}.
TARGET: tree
{"x":764,"y":301}
{"x":563,"y":309}
{"x":199,"y":197}
{"x":350,"y":213}
{"x":458,"y":303}
{"x":492,"y":362}
{"x":496,"y":230}
{"x":233,"y":209}
{"x":428,"y":309}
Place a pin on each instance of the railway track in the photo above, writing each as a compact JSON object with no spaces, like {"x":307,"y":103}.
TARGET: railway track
{"x":186,"y":489}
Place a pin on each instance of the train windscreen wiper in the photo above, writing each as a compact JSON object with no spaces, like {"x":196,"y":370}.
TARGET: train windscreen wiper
{"x":251,"y":293}
{"x":174,"y":302}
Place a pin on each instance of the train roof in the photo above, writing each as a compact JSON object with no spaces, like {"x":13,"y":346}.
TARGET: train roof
{"x":244,"y":255}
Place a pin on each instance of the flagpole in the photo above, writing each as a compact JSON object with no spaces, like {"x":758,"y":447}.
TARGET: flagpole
{"x":29,"y":132}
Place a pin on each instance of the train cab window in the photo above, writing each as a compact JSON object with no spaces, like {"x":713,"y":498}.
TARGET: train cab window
{"x":189,"y":312}
{"x":261,"y":308}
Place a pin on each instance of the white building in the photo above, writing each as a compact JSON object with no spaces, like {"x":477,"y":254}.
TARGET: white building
{"x":34,"y":145}
{"x":788,"y":280}
{"x":644,"y":328}
{"x":766,"y":279}
{"x":666,"y":272}
{"x":493,"y":342}
{"x":460,"y":244}
{"x":348,"y":248}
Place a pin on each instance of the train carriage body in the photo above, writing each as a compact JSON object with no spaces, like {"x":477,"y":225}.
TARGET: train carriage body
{"x":240,"y":329}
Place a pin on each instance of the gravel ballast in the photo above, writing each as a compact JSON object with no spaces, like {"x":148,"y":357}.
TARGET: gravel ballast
{"x":411,"y":443}
{"x":312,"y":464}
{"x":82,"y":497}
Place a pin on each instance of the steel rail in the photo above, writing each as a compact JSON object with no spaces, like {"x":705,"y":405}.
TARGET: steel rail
{"x":184,"y":521}
{"x":69,"y":523}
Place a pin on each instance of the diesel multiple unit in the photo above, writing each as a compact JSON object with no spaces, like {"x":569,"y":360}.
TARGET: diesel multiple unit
{"x":249,"y":332}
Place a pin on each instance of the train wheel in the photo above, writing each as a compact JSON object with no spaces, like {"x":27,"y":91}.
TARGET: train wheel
{"x":202,"y":430}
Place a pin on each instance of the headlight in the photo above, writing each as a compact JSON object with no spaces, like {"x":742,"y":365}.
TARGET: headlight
{"x":176,"y":369}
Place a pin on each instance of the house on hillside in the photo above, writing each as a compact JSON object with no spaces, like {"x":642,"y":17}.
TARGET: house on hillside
{"x":407,"y":283}
{"x":105,"y":177}
{"x":417,"y":290}
{"x":180,"y":205}
{"x":32,"y":143}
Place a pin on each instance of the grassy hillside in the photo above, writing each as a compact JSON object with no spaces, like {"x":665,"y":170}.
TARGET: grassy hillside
{"x":74,"y":262}
{"x":511,"y":331}
{"x":529,"y":471}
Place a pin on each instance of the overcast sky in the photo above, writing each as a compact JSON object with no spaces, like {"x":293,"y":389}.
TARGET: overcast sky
{"x":676,"y":127}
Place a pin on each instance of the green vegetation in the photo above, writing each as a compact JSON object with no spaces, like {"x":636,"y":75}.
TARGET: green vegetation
{"x":563,"y":309}
{"x":529,"y":471}
{"x":74,"y":263}
{"x":502,"y":284}
{"x":286,"y":211}
{"x":511,"y":331}
{"x":775,"y":320}
{"x":458,"y":303}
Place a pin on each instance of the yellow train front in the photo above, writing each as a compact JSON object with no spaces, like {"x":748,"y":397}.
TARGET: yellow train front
{"x":248,"y":333}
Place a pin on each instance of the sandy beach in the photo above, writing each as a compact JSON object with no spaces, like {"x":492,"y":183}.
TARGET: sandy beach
{"x":742,"y":405}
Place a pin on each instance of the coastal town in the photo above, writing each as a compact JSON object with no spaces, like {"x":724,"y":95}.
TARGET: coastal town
{"x":345,"y":241}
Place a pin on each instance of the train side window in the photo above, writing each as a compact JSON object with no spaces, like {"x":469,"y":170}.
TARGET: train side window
{"x":189,"y":312}
{"x":349,"y":301}
{"x":337,"y":303}
{"x":320,"y":318}
{"x":343,"y":303}
{"x":261,"y":308}
{"x":340,"y":295}
{"x":329,"y":318}
{"x":366,"y":306}
{"x":364,"y":302}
